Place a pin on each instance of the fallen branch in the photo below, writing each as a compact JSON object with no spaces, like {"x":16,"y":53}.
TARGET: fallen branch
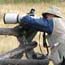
{"x":17,"y":51}
{"x":8,"y":31}
{"x":24,"y":62}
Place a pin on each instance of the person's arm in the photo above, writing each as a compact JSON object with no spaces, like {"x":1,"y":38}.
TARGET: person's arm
{"x":39,"y":24}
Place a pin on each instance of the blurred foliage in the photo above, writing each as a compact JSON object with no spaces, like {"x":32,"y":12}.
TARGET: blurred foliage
{"x":30,"y":1}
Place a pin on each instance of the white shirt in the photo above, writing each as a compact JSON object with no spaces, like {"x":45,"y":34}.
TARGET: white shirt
{"x":58,"y":34}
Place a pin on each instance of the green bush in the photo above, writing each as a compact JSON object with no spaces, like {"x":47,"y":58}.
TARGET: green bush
{"x":32,"y":1}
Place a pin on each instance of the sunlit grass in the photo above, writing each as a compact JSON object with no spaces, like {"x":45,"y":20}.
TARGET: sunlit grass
{"x":21,"y":9}
{"x":10,"y":42}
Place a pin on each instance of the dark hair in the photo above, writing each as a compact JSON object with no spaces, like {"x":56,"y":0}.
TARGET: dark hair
{"x":44,"y":15}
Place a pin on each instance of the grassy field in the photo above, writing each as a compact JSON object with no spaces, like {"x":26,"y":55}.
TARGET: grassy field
{"x":6,"y":42}
{"x":10,"y":42}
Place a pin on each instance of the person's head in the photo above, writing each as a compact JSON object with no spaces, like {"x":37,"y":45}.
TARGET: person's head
{"x":52,"y":12}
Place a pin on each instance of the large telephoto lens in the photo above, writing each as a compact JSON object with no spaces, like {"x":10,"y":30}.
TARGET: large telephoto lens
{"x":10,"y":18}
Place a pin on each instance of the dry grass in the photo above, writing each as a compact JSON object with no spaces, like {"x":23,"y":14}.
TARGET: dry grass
{"x":10,"y":42}
{"x":21,"y":8}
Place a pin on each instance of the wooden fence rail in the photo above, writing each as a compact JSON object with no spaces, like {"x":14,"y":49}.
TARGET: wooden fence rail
{"x":17,"y":51}
{"x":24,"y":62}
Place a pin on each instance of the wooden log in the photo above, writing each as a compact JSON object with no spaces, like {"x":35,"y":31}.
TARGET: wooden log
{"x":8,"y":31}
{"x":24,"y":62}
{"x":17,"y":30}
{"x":17,"y":51}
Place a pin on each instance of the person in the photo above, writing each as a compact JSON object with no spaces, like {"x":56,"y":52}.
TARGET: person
{"x":55,"y":39}
{"x":51,"y":23}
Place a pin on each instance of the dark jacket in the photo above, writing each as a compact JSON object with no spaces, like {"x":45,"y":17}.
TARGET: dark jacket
{"x":39,"y":24}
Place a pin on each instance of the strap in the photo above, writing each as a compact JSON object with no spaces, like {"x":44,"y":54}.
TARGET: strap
{"x":45,"y":43}
{"x":39,"y":44}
